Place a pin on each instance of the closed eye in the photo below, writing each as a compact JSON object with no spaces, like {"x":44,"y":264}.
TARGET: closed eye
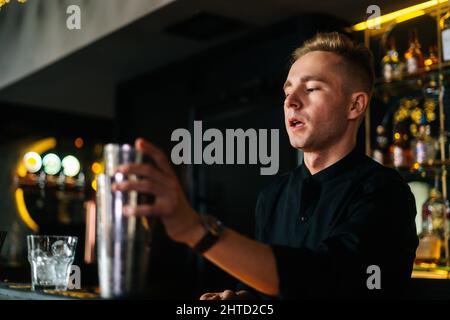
{"x":311,"y":89}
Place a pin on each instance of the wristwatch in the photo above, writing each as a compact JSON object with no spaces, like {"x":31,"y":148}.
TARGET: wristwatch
{"x":214,"y":229}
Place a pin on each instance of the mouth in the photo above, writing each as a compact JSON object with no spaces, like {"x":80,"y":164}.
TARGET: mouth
{"x":295,"y":123}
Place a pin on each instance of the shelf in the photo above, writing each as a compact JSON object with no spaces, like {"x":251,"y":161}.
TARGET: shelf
{"x":425,"y":172}
{"x":49,"y":182}
{"x":436,"y":164}
{"x":430,"y":271}
{"x":412,"y":82}
{"x":434,"y":70}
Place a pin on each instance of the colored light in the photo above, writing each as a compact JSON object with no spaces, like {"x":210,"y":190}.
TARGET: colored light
{"x":32,"y":161}
{"x":428,"y":62}
{"x":23,"y":211}
{"x":410,"y":16}
{"x":79,"y":143}
{"x":71,"y":166}
{"x":96,"y":168}
{"x":399,"y":15}
{"x":39,"y":147}
{"x":52,"y":164}
{"x":94,"y":184}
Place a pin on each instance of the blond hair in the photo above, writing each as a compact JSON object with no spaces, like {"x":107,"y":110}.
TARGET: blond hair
{"x":358,"y":60}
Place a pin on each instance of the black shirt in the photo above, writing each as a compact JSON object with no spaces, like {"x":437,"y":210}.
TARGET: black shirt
{"x":326,"y":229}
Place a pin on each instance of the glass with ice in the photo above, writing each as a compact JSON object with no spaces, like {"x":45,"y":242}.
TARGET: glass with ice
{"x":51,"y":258}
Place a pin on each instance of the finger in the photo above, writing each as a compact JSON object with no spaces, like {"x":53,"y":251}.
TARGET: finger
{"x":205,"y":296}
{"x":227,"y":295}
{"x":210,"y":296}
{"x":155,"y":153}
{"x":144,"y":171}
{"x":141,"y":186}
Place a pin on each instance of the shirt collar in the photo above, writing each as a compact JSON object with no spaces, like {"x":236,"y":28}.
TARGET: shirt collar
{"x":338,"y":168}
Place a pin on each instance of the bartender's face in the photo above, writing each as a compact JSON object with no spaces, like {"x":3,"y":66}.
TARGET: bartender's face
{"x":315,"y":105}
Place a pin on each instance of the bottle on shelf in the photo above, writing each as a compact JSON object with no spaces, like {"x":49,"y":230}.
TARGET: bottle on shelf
{"x":424,"y":146}
{"x":390,"y":63}
{"x":433,"y":237}
{"x":431,"y":89}
{"x":381,"y":150}
{"x":400,"y":149}
{"x":414,"y":56}
{"x":432,"y":59}
{"x":445,"y":36}
{"x":401,"y":153}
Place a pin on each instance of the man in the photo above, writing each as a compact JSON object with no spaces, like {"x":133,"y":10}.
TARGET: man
{"x":340,"y":225}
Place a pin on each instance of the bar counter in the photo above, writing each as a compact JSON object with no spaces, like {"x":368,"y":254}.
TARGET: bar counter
{"x":15,"y":291}
{"x":425,"y":287}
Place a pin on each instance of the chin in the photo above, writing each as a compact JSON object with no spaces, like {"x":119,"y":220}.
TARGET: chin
{"x":297,"y":144}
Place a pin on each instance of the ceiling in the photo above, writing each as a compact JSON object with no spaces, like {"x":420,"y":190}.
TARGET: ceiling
{"x":84,"y":81}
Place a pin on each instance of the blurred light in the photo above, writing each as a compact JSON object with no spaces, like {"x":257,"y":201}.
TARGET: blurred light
{"x":33,"y":162}
{"x":23,"y":211}
{"x":39,"y":147}
{"x":52,"y":164}
{"x":96,"y":168}
{"x":145,"y":223}
{"x":398,"y":16}
{"x":79,"y":143}
{"x":428,"y":62}
{"x":416,"y":166}
{"x":3,"y":2}
{"x":410,"y":16}
{"x":94,"y":184}
{"x":71,"y":166}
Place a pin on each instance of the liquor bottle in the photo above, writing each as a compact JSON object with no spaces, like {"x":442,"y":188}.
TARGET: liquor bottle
{"x":431,"y":89}
{"x":400,"y":149}
{"x":424,"y":146}
{"x":432,"y":59}
{"x":390,"y":62}
{"x":445,"y":36}
{"x":381,"y":150}
{"x":432,"y":244}
{"x":413,"y":56}
{"x":401,"y":153}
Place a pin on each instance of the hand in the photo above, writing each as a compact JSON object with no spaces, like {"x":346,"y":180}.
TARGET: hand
{"x":181,"y":221}
{"x":228,"y":295}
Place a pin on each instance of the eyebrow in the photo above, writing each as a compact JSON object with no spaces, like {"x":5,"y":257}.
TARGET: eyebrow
{"x":305,"y":79}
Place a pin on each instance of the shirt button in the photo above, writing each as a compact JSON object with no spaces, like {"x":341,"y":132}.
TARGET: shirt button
{"x":303,"y":219}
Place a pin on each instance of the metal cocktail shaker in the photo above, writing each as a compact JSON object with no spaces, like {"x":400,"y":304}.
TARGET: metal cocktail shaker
{"x":123,"y":243}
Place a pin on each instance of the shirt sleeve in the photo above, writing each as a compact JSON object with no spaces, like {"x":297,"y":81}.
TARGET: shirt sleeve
{"x":379,"y":229}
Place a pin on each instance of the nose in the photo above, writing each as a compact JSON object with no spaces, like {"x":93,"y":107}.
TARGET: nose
{"x":292,"y":101}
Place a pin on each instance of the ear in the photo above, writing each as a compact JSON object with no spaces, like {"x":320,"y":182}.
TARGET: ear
{"x":358,"y":105}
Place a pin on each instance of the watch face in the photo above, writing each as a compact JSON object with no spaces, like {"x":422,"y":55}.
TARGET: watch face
{"x":213,"y":225}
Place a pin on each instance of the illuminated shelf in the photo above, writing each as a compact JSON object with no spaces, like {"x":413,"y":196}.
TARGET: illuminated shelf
{"x":430,"y":271}
{"x":411,"y":82}
{"x":436,"y":164}
{"x":31,"y":183}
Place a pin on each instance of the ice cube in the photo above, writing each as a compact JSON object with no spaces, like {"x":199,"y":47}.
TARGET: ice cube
{"x":61,"y":249}
{"x":39,"y":256}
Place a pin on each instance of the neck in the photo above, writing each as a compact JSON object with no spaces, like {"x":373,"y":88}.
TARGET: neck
{"x":318,"y":160}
